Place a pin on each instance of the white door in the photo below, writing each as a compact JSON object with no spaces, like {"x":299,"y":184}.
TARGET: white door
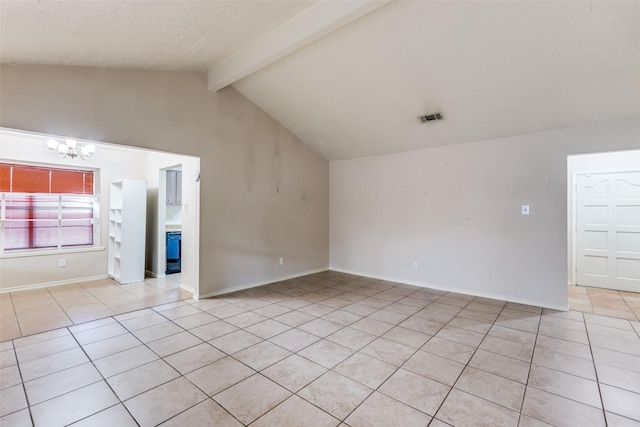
{"x":608,"y":230}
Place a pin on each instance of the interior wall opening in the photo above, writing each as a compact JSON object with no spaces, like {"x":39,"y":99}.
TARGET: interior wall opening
{"x":113,"y":162}
{"x":604,"y":220}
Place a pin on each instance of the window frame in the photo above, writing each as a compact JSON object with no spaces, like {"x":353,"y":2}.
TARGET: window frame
{"x":59,"y":249}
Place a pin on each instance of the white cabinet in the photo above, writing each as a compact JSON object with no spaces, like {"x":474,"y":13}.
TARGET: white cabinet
{"x":178,"y":188}
{"x":127,"y":217}
{"x":174,"y":187}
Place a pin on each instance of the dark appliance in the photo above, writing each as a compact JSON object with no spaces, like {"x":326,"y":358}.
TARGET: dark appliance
{"x":174,"y":252}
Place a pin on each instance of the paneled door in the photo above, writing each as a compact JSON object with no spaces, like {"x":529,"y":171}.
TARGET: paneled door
{"x":608,"y":230}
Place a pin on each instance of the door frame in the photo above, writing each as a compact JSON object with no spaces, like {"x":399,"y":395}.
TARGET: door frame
{"x":573,"y":215}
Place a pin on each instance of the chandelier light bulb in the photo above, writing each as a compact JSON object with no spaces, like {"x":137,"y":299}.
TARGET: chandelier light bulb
{"x":85,"y":151}
{"x":71,"y":148}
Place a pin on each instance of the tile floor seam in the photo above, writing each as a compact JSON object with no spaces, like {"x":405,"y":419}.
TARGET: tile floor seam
{"x":306,"y":400}
{"x":58,"y":304}
{"x":15,"y":314}
{"x":467,"y":365}
{"x":117,"y":352}
{"x":569,"y":398}
{"x":129,"y":370}
{"x":628,"y":306}
{"x":161,"y":338}
{"x":377,"y":388}
{"x":260,"y":373}
{"x":595,"y":371}
{"x":256,"y":372}
{"x":145,"y":391}
{"x":203,"y":391}
{"x":591,"y":294}
{"x":377,"y":336}
{"x":103,"y":379}
{"x":526,"y":385}
{"x":332,"y":369}
{"x":229,"y":412}
{"x":342,"y":420}
{"x":145,"y":344}
{"x":402,"y":367}
{"x":210,"y":398}
{"x":24,"y":388}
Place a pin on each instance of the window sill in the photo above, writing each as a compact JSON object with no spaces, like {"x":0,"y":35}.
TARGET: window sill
{"x":25,"y":254}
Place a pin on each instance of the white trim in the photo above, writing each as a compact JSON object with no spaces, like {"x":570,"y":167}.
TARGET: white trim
{"x":452,"y":289}
{"x":256,"y":284}
{"x":32,"y":253}
{"x":313,"y":23}
{"x":161,"y":228}
{"x":187,"y":288}
{"x":571,"y":229}
{"x":56,"y":283}
{"x":196,"y":234}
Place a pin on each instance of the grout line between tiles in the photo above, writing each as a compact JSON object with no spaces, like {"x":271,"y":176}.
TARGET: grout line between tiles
{"x":595,"y":371}
{"x":469,"y":361}
{"x":309,"y":289}
{"x":533,"y":353}
{"x":24,"y":388}
{"x":104,"y":379}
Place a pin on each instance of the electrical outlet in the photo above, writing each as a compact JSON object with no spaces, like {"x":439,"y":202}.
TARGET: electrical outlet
{"x":281,"y":261}
{"x":62,"y":262}
{"x":415,"y":265}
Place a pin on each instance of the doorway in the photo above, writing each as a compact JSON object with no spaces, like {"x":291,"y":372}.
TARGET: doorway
{"x":169,"y":207}
{"x":113,"y":162}
{"x":604,"y":220}
{"x":176,"y":209}
{"x":608,"y":230}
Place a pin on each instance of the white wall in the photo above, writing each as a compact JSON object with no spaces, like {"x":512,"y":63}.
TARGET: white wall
{"x":16,"y":271}
{"x":264,"y":193}
{"x":173,"y":214}
{"x":620,"y":161}
{"x":456,"y":211}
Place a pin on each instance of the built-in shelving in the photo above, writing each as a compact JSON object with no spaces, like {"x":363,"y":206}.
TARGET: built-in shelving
{"x":127,"y":217}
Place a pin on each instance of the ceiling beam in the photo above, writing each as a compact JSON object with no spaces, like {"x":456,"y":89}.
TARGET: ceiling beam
{"x":315,"y":22}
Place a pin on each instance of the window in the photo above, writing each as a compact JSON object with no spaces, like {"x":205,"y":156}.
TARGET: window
{"x":46,"y":208}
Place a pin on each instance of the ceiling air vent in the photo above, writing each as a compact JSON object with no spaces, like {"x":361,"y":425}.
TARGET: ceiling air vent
{"x":430,"y":117}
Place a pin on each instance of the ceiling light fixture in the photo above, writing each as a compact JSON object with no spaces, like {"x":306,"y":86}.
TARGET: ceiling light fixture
{"x":430,"y":117}
{"x":70,"y":148}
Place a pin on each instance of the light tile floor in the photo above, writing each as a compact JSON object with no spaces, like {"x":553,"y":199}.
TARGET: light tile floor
{"x":28,"y":312}
{"x":325,"y":350}
{"x":608,"y":302}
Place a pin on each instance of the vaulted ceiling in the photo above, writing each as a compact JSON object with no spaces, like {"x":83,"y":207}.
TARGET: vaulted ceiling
{"x":350,"y":78}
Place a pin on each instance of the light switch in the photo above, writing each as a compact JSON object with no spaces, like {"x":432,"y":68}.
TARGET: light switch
{"x":525,"y":209}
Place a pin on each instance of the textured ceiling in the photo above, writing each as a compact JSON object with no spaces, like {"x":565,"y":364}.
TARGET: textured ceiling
{"x":170,"y":35}
{"x":492,"y":68}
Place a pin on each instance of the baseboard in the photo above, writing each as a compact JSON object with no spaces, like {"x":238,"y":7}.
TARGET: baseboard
{"x":256,"y":284}
{"x":148,"y":273}
{"x":453,"y":289}
{"x":56,"y":283}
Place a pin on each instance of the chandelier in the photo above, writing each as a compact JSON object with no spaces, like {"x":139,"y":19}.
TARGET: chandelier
{"x":70,"y":148}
